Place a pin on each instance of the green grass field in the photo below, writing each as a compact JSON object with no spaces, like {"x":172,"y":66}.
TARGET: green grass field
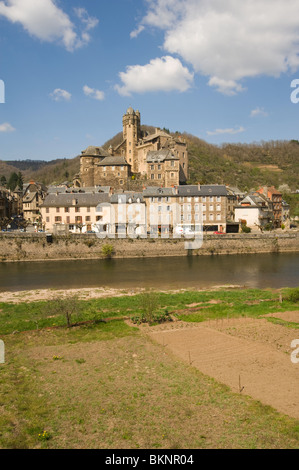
{"x":106,"y":385}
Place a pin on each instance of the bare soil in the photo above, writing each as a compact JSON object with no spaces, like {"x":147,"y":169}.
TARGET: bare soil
{"x":251,"y":356}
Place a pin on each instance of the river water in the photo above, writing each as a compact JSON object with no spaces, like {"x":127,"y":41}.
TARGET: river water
{"x":254,"y":271}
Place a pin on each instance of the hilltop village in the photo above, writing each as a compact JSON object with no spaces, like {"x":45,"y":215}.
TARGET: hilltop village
{"x":145,"y":174}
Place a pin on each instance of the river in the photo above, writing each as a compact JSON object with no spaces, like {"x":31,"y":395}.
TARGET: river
{"x":254,"y":271}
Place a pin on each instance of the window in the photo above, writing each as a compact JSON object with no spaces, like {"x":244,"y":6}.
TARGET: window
{"x":152,"y":176}
{"x":189,"y":218}
{"x":57,"y":209}
{"x":196,"y":199}
{"x":159,"y":176}
{"x":68,"y":220}
{"x":218,"y":216}
{"x":211,"y":207}
{"x":66,"y":209}
{"x":152,"y":167}
{"x":159,"y":167}
{"x":172,"y":163}
{"x":189,"y":207}
{"x":171,"y":175}
{"x":218,"y":207}
{"x":88,"y":209}
{"x":77,"y":209}
{"x":47,"y":210}
{"x":204,"y":199}
{"x":122,"y":168}
{"x":211,"y":199}
{"x":47,"y":219}
{"x":196,"y":207}
{"x":218,"y":198}
{"x":211,"y":217}
{"x":87,"y":218}
{"x":57,"y":219}
{"x":189,"y":199}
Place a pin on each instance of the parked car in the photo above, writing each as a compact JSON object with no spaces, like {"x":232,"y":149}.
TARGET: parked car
{"x":186,"y":231}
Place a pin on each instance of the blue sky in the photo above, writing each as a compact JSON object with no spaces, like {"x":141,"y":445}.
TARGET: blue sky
{"x":218,"y":69}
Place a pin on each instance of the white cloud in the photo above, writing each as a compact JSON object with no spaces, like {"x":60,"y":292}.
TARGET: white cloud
{"x":46,"y":21}
{"x":93,"y":93}
{"x":229,"y":40}
{"x":60,"y":95}
{"x":230,"y":131}
{"x":161,"y":74}
{"x":136,"y":31}
{"x":258,"y":112}
{"x":226,"y":87}
{"x":6,"y":127}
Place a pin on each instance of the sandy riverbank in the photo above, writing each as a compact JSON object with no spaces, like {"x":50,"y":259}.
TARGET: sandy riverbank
{"x":85,"y":294}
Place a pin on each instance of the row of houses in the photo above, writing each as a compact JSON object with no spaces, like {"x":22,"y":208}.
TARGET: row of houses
{"x":217,"y":208}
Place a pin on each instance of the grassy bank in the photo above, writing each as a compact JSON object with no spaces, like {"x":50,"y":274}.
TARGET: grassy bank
{"x":103,"y":384}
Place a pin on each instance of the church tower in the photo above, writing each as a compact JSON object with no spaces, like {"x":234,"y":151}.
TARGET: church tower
{"x":132,"y":134}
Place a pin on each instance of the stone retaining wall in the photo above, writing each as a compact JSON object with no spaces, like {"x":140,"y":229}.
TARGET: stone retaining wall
{"x":34,"y":246}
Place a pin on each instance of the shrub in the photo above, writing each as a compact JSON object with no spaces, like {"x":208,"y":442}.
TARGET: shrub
{"x":149,"y":305}
{"x":245,"y":229}
{"x":293,"y":295}
{"x":107,"y":250}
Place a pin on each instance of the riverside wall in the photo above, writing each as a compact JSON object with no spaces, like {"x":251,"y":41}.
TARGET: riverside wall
{"x":36,"y":246}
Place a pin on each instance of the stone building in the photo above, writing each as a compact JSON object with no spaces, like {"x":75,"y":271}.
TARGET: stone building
{"x":74,"y":212}
{"x":34,"y":194}
{"x":159,"y":158}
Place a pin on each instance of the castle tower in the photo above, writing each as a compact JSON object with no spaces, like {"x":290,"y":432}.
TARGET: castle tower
{"x":132,"y":134}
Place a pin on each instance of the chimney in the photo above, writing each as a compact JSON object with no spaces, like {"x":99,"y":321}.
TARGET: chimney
{"x":198,"y":186}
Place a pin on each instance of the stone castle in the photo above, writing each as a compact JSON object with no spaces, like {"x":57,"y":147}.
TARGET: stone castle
{"x":158,"y":159}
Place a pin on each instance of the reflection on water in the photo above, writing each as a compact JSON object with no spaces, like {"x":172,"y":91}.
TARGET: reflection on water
{"x":260,"y":271}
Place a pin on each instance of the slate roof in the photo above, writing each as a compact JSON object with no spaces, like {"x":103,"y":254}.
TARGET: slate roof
{"x":82,"y":199}
{"x":157,"y":191}
{"x":203,"y":190}
{"x":93,"y":151}
{"x":125,"y":196}
{"x":160,"y":156}
{"x":113,"y":161}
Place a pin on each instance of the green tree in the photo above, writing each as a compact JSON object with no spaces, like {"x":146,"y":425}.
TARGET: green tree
{"x":3,"y":181}
{"x":13,"y":181}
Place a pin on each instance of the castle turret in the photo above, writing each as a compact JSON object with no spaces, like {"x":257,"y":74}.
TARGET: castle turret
{"x":132,"y":134}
